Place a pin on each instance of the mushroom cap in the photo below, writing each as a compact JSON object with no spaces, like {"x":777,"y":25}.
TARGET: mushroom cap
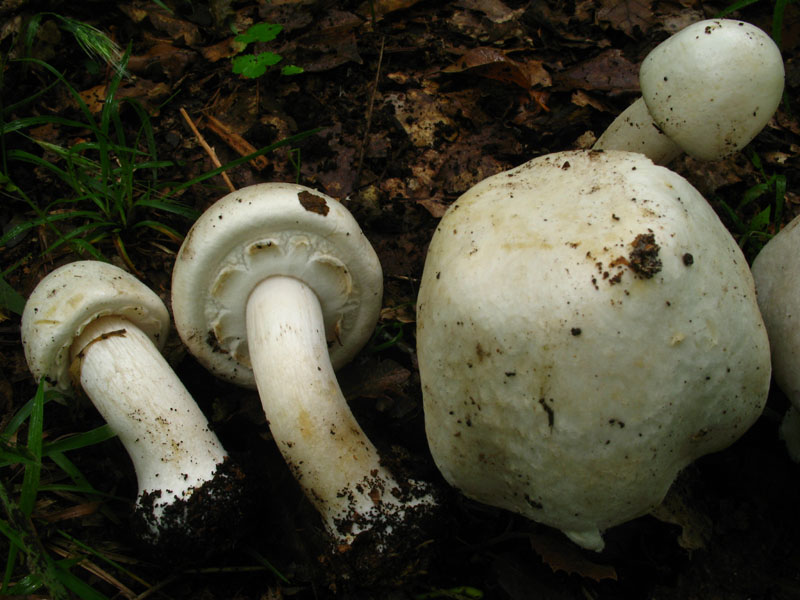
{"x":586,"y":327}
{"x":70,"y":298}
{"x":713,"y":86}
{"x":258,"y":232}
{"x":776,"y":271}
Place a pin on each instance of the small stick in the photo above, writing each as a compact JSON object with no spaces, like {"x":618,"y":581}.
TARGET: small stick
{"x":365,"y":140}
{"x":209,"y":150}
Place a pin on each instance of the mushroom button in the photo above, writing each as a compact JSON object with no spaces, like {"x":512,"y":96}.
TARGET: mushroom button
{"x":776,"y":271}
{"x":707,"y":91}
{"x":672,"y":360}
{"x":97,"y":323}
{"x":276,"y":286}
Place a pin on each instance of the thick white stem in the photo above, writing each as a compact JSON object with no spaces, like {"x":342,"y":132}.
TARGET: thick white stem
{"x":144,"y":402}
{"x":328,"y":452}
{"x":635,"y":131}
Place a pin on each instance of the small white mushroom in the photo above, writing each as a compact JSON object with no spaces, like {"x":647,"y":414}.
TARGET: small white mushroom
{"x":586,"y":327}
{"x":776,"y":271}
{"x":707,"y":91}
{"x":274,"y":287}
{"x":95,"y":326}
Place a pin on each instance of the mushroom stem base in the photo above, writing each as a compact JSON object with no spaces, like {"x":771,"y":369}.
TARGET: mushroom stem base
{"x":156,"y":419}
{"x":326,"y":449}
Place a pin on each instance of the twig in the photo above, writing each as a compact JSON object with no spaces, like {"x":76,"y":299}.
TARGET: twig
{"x":369,"y":113}
{"x":235,"y":141}
{"x":209,"y":150}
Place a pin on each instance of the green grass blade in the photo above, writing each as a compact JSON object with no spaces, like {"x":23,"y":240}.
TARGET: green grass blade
{"x":37,"y":121}
{"x":24,"y":412}
{"x":26,"y":585}
{"x":87,"y":113}
{"x":161,"y":228}
{"x":79,"y":440}
{"x":777,"y":21}
{"x":103,"y":558}
{"x":10,"y":299}
{"x":77,"y":586}
{"x":734,"y":7}
{"x":235,"y":163}
{"x":174,"y":208}
{"x":30,"y":481}
{"x":13,"y":536}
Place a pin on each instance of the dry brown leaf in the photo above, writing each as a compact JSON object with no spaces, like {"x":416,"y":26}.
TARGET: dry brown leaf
{"x":331,"y":44}
{"x":627,"y":15}
{"x":382,"y":378}
{"x":495,"y":10}
{"x":380,"y":8}
{"x":224,"y":49}
{"x":609,"y":71}
{"x":420,"y":116}
{"x":171,"y":60}
{"x":562,"y":555}
{"x":581,"y":98}
{"x":149,"y":93}
{"x":177,"y":29}
{"x":495,"y":64}
{"x":679,"y":508}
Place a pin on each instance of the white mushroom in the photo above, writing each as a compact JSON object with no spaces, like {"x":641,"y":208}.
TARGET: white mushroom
{"x":586,"y":328}
{"x":98,"y":324}
{"x":274,"y":287}
{"x":707,"y":91}
{"x":776,"y":271}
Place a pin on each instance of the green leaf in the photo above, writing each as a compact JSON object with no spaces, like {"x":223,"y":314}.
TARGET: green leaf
{"x":252,"y":66}
{"x":261,"y":32}
{"x":291,"y":70}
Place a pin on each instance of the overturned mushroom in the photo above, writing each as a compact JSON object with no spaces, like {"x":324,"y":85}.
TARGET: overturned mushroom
{"x":274,"y":287}
{"x":99,"y":324}
{"x":707,"y":91}
{"x":776,"y":271}
{"x":586,"y":328}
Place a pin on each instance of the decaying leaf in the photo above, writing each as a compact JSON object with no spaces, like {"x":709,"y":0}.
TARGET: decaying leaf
{"x":170,"y":59}
{"x":609,"y":71}
{"x":149,"y":93}
{"x":178,"y":29}
{"x":380,"y":8}
{"x":627,"y":15}
{"x":495,"y":64}
{"x":420,"y":116}
{"x":562,"y":555}
{"x":678,"y":508}
{"x":494,"y":10}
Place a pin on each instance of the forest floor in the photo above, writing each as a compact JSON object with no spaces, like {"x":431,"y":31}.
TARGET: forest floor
{"x":407,"y":105}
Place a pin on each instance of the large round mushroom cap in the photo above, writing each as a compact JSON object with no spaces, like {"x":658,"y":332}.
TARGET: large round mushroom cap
{"x":586,"y":327}
{"x":266,"y":230}
{"x":70,"y":298}
{"x":776,"y":271}
{"x":713,"y":86}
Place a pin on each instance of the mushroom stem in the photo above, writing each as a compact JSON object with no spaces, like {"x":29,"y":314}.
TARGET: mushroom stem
{"x":635,"y":131}
{"x":326,"y":449}
{"x":156,"y":419}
